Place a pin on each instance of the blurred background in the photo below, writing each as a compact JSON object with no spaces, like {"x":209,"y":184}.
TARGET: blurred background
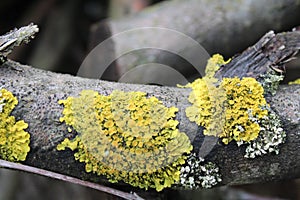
{"x":70,"y":29}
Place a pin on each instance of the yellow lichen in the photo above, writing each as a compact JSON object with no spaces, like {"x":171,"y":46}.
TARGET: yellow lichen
{"x":229,"y":109}
{"x":126,"y":137}
{"x":14,"y":141}
{"x":245,"y":106}
{"x":214,"y":64}
{"x":297,"y":81}
{"x":207,"y":107}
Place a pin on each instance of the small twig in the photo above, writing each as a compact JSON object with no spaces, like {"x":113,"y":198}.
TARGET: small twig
{"x":16,"y":37}
{"x":11,"y":165}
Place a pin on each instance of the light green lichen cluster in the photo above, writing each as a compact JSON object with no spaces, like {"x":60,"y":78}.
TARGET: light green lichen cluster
{"x":270,"y":137}
{"x":270,"y":82}
{"x":197,"y":173}
{"x":126,"y":137}
{"x":14,"y":140}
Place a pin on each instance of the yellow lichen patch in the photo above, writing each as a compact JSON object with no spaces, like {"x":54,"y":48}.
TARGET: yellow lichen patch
{"x":207,"y":106}
{"x":207,"y":99}
{"x":297,"y":81}
{"x":14,"y":141}
{"x":214,"y":64}
{"x":229,"y":109}
{"x":245,"y":106}
{"x":127,"y":137}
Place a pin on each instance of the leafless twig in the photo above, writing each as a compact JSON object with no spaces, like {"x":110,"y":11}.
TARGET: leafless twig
{"x":11,"y":165}
{"x":15,"y":38}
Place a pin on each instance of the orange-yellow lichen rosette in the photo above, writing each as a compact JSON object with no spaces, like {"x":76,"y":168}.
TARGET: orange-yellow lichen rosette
{"x":14,"y":140}
{"x":126,"y":137}
{"x":230,"y":109}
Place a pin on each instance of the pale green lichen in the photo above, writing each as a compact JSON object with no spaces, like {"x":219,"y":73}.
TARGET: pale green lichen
{"x":14,"y":140}
{"x":126,"y":137}
{"x":270,"y":82}
{"x":297,"y":81}
{"x":270,"y":137}
{"x":196,"y":173}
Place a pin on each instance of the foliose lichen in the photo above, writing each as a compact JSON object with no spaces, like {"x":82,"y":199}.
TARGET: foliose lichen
{"x":270,"y":82}
{"x":196,"y":173}
{"x":270,"y":137}
{"x":126,"y":137}
{"x":207,"y":107}
{"x":297,"y":81}
{"x":214,"y":64}
{"x":208,"y":100}
{"x":227,"y":103}
{"x":235,"y":109}
{"x":14,"y":140}
{"x":245,"y":107}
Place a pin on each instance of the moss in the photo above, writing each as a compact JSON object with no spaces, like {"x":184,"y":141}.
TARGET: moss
{"x":14,"y":140}
{"x":297,"y":81}
{"x":126,"y":137}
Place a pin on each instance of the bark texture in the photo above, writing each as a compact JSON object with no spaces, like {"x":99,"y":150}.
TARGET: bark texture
{"x":38,"y":92}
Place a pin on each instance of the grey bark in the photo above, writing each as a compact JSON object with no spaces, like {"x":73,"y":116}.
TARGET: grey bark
{"x":38,"y":92}
{"x":225,"y":27}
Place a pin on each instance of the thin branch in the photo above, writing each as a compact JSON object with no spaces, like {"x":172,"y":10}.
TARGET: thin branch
{"x":39,"y":91}
{"x":15,"y":38}
{"x":17,"y":166}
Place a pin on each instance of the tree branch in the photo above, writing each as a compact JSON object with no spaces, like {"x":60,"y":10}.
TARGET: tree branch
{"x":240,"y":22}
{"x":38,"y":92}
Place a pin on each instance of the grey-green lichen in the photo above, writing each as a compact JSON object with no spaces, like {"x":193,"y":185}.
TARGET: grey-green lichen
{"x":126,"y":137}
{"x":271,"y":136}
{"x":196,"y":173}
{"x":14,"y":140}
{"x":270,"y":82}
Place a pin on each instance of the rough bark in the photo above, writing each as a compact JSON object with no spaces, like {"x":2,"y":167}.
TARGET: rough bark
{"x":38,"y":92}
{"x":240,"y":22}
